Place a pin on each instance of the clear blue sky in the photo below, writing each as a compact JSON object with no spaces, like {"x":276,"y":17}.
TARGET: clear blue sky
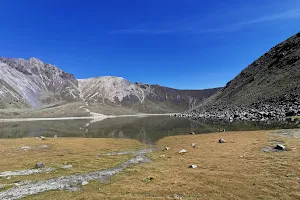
{"x":185,"y":44}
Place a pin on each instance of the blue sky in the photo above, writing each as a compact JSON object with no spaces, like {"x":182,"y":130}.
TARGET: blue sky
{"x":191,"y":44}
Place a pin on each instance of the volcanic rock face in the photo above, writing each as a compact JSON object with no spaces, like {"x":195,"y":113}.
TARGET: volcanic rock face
{"x":32,"y":83}
{"x":117,"y":91}
{"x":268,"y":88}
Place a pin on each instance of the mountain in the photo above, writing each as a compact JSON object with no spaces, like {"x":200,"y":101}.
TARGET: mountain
{"x":42,"y":87}
{"x":32,"y":83}
{"x":268,"y":88}
{"x":119,"y":92}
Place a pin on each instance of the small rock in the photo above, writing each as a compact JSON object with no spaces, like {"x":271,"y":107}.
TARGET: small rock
{"x":55,"y":136}
{"x":182,"y":151}
{"x":192,"y":133}
{"x":193,"y":166}
{"x":40,"y":165}
{"x":167,"y":148}
{"x":280,"y":147}
{"x":194,"y":145}
{"x":25,"y":147}
{"x":42,"y":138}
{"x":178,"y":196}
{"x":84,"y":183}
{"x":149,"y":179}
{"x":222,"y":141}
{"x":43,"y":146}
{"x":162,"y":156}
{"x":67,"y":166}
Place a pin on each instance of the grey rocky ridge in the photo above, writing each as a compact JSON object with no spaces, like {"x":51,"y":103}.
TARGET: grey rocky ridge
{"x":269,"y":88}
{"x":36,"y":85}
{"x":32,"y":83}
{"x":145,"y":98}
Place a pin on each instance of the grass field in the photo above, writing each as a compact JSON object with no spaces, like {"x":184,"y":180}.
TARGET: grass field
{"x":233,"y":170}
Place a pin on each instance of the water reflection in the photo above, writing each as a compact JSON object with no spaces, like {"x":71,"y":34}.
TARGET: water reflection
{"x":145,"y":129}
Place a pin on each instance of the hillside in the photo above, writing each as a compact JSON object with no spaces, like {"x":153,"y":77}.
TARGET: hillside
{"x":34,"y":88}
{"x":32,"y":83}
{"x":268,"y":88}
{"x":117,"y":92}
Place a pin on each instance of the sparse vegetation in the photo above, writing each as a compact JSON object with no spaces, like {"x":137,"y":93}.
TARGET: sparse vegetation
{"x":237,"y":169}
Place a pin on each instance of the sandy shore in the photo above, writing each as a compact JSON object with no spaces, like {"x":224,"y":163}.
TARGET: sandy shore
{"x":94,"y":117}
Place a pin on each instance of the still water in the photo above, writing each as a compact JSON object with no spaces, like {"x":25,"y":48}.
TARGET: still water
{"x":145,"y":129}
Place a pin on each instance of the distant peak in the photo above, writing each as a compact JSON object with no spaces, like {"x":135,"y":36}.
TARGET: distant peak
{"x":35,"y":60}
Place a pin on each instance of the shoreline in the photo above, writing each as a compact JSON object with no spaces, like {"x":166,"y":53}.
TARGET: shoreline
{"x":95,"y":116}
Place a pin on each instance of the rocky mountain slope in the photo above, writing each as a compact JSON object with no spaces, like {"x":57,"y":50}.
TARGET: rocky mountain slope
{"x":119,"y":92}
{"x":35,"y":84}
{"x":32,"y":83}
{"x":268,"y":88}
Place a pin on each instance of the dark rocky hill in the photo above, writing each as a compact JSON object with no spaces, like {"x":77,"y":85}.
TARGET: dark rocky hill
{"x":268,"y":88}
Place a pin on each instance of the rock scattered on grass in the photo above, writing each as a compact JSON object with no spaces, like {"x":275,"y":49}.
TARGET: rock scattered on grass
{"x":25,"y":147}
{"x":280,"y":147}
{"x":222,"y":141}
{"x":66,"y":166}
{"x":40,"y":165}
{"x":55,"y":136}
{"x":182,"y":151}
{"x":43,"y":146}
{"x":167,"y":148}
{"x":194,"y":145}
{"x":42,"y":138}
{"x":178,"y":196}
{"x":192,"y":133}
{"x":84,"y":183}
{"x":193,"y":166}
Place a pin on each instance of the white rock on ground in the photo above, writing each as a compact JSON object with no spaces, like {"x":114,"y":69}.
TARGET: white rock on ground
{"x":222,"y":141}
{"x":182,"y":151}
{"x":84,"y":183}
{"x":280,"y":147}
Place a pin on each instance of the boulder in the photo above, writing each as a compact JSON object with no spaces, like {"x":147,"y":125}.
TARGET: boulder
{"x":222,"y":141}
{"x":40,"y":165}
{"x":84,"y":183}
{"x":280,"y":147}
{"x":182,"y":151}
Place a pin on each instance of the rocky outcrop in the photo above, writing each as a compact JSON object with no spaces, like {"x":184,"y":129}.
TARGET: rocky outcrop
{"x":269,"y":88}
{"x":33,"y":83}
{"x":117,"y":91}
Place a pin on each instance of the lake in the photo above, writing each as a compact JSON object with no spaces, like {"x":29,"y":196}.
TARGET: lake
{"x":145,"y":129}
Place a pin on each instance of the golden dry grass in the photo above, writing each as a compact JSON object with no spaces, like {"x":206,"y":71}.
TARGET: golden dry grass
{"x":82,"y":153}
{"x":234,"y":170}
